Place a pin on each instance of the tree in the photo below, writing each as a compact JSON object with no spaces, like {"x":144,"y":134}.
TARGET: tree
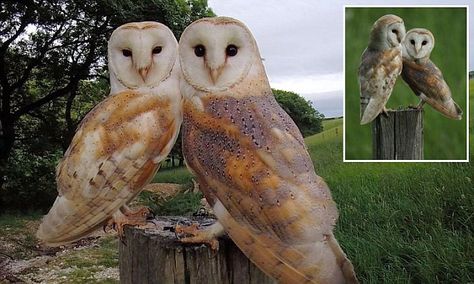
{"x":54,"y":51}
{"x":301,"y":111}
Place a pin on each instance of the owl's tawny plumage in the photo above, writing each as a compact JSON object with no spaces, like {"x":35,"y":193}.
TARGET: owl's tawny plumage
{"x":381,"y":63}
{"x":424,"y":77}
{"x":251,"y":160}
{"x":119,"y":144}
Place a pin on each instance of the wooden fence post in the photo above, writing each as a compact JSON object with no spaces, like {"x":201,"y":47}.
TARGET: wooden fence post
{"x":398,"y":135}
{"x":154,"y":255}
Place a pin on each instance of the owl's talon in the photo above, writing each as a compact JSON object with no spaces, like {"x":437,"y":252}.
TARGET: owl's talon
{"x":126,"y":216}
{"x":385,"y":111}
{"x":197,"y":236}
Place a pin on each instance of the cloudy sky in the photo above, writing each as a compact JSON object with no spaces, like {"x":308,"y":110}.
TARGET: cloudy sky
{"x":301,"y":42}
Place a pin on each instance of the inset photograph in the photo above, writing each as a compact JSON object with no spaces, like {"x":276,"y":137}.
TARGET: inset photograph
{"x":405,"y":94}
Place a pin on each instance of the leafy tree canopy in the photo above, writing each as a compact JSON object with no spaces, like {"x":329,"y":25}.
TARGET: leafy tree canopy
{"x":306,"y":117}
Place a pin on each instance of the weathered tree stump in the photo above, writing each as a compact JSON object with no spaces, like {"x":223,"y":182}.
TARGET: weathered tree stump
{"x":154,"y":255}
{"x":398,"y":135}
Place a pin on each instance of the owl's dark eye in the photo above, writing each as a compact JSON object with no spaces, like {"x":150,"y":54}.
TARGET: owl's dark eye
{"x":394,"y":31}
{"x":157,"y":50}
{"x":126,"y":52}
{"x":199,"y":50}
{"x":424,"y":42}
{"x":231,"y":50}
{"x":412,"y":42}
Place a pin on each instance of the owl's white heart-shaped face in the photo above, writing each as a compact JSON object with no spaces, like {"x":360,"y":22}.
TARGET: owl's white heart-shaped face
{"x":395,"y":33}
{"x":216,"y":53}
{"x":387,"y":32}
{"x":418,"y":44}
{"x":141,"y":54}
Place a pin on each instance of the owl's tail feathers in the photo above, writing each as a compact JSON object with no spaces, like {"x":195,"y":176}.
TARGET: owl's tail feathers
{"x":373,"y":109}
{"x":313,"y":262}
{"x":454,"y":111}
{"x":344,"y":263}
{"x":448,"y":108}
{"x":65,"y":223}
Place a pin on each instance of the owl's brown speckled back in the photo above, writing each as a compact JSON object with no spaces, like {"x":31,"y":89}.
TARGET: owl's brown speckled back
{"x":252,"y":163}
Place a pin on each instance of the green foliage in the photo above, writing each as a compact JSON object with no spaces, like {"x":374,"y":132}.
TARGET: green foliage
{"x":301,"y":111}
{"x":182,"y":204}
{"x":30,"y":181}
{"x":443,"y":138}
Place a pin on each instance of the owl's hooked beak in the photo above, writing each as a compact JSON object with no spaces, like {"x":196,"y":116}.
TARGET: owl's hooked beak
{"x":417,"y":48}
{"x":144,"y":72}
{"x":215,"y":73}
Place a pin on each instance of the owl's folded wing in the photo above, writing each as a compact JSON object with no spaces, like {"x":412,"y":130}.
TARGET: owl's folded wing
{"x":115,"y":152}
{"x":427,"y":82}
{"x":378,"y":73}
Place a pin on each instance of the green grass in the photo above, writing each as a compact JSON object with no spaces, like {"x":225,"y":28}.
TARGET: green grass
{"x":183,"y":204}
{"x":331,"y":123}
{"x":173,"y":175}
{"x":444,"y":139}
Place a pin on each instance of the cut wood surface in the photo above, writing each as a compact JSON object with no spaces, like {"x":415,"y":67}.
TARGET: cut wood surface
{"x":154,"y":255}
{"x":398,"y":135}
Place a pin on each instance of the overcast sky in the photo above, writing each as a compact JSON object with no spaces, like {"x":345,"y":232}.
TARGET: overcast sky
{"x":301,"y":42}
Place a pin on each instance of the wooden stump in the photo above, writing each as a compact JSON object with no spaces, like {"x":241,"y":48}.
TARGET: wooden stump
{"x":398,"y":136}
{"x":154,"y":255}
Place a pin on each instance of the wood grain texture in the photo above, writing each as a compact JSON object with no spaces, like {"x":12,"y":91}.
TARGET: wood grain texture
{"x":154,"y":255}
{"x":398,"y":136}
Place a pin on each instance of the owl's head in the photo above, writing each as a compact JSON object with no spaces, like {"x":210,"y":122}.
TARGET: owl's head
{"x":216,"y":53}
{"x":141,"y":54}
{"x":418,"y":44}
{"x":387,"y":32}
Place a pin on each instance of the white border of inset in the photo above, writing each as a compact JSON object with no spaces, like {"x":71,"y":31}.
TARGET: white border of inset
{"x":467,"y":112}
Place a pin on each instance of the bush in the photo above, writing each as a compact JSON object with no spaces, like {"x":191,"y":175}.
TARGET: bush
{"x":308,"y":119}
{"x":29,"y":181}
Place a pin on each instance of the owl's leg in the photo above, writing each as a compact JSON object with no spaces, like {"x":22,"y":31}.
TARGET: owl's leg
{"x":127,"y":216}
{"x":208,"y":235}
{"x":385,"y":111}
{"x":420,"y":104}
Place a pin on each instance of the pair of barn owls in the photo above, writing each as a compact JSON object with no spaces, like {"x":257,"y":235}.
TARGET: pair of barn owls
{"x":390,"y":53}
{"x":247,"y":153}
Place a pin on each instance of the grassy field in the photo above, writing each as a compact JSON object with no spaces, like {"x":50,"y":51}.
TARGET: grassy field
{"x":331,"y":123}
{"x":399,"y":222}
{"x":443,"y":138}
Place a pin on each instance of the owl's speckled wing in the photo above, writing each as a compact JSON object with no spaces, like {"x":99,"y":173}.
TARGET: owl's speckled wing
{"x":251,"y":161}
{"x":427,"y":82}
{"x":114,"y":153}
{"x":378,"y":72}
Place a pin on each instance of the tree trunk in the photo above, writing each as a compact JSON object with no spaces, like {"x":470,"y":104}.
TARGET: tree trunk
{"x":399,"y":135}
{"x":154,"y":255}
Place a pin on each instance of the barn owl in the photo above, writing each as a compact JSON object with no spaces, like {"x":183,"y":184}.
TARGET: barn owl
{"x":380,"y":66}
{"x":251,"y":161}
{"x":119,"y":144}
{"x":422,"y":75}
